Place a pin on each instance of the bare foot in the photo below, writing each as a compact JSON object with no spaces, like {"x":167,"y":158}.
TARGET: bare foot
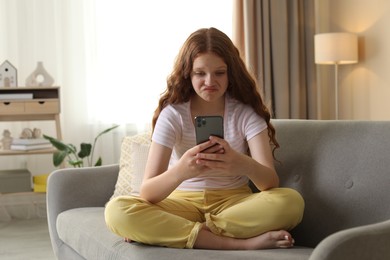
{"x":127,"y":240}
{"x":271,"y":239}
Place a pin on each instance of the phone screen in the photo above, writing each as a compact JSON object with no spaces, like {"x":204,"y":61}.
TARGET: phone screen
{"x":206,"y":126}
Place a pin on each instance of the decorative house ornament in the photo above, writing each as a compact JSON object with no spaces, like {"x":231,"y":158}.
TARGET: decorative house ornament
{"x":39,"y":77}
{"x":8,"y":75}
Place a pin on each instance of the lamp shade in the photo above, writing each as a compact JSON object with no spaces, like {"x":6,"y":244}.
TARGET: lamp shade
{"x":336,"y":48}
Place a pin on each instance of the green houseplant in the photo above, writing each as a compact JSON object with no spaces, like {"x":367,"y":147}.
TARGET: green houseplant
{"x":75,"y":157}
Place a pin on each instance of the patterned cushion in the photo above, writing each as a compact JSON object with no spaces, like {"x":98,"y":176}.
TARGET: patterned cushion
{"x":134,"y":153}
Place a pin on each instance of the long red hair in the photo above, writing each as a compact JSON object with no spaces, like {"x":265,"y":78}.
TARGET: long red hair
{"x":242,"y":85}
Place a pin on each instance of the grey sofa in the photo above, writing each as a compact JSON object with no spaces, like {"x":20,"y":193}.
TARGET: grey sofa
{"x":342,"y":169}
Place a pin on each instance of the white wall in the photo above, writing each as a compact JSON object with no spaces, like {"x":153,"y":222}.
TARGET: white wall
{"x":365,"y":86}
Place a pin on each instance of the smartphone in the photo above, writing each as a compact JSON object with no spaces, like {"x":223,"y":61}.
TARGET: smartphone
{"x":205,"y":126}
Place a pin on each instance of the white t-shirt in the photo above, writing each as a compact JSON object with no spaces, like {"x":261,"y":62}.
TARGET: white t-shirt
{"x":175,"y":129}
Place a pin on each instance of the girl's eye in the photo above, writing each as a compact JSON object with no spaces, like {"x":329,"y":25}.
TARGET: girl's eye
{"x":219,"y":73}
{"x":199,"y":73}
{"x":216,"y":73}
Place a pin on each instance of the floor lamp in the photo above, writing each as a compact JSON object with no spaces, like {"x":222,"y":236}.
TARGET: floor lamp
{"x":336,"y":49}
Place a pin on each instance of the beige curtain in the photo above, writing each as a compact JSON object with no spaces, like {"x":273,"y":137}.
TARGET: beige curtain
{"x":275,"y":38}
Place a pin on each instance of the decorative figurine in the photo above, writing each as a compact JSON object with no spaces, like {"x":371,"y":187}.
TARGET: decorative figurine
{"x":27,"y":133}
{"x":39,"y":77}
{"x":6,"y":140}
{"x":37,"y":133}
{"x":8,"y":75}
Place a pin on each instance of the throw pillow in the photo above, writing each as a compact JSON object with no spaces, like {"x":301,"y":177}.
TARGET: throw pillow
{"x":134,"y":154}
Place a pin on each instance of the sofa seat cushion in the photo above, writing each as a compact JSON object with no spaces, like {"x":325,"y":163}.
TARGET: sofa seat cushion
{"x":85,"y":231}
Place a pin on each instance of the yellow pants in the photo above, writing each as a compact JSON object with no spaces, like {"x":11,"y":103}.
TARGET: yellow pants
{"x":176,"y":221}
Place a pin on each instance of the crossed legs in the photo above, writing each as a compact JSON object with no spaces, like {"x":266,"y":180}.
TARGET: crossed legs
{"x":257,"y":221}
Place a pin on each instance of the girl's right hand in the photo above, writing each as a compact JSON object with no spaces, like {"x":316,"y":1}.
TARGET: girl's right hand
{"x":160,"y":180}
{"x":188,"y":167}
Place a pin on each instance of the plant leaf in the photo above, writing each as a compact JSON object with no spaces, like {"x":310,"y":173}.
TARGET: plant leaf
{"x":94,"y":142}
{"x":76,"y":163}
{"x":69,"y":150}
{"x":72,"y":148}
{"x":58,"y":157}
{"x":57,"y":143}
{"x":85,"y":150}
{"x":106,"y":131}
{"x":99,"y":162}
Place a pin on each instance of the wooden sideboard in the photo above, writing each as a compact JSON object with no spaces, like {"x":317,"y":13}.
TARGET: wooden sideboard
{"x":30,"y":104}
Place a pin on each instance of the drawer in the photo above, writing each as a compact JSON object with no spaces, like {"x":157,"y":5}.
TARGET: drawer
{"x":11,"y":108}
{"x":42,"y":107}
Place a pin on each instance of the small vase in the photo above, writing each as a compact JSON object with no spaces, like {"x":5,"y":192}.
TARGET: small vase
{"x":39,"y":77}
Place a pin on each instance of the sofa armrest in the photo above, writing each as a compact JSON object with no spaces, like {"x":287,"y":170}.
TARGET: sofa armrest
{"x":364,"y":242}
{"x":75,"y":188}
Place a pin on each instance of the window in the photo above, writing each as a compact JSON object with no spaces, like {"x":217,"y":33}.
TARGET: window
{"x":136,"y":44}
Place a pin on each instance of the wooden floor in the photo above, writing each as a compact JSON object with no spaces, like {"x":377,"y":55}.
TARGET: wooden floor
{"x":25,"y":239}
{"x":24,"y":233}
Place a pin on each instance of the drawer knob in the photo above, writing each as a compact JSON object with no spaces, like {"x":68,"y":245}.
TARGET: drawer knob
{"x":6,"y":103}
{"x":41,"y":102}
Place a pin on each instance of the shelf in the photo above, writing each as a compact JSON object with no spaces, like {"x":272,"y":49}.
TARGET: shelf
{"x":38,"y":92}
{"x":44,"y":105}
{"x":37,"y":151}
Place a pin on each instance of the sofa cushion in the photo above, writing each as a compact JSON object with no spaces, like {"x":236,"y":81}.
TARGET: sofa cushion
{"x":85,"y":231}
{"x":134,"y":153}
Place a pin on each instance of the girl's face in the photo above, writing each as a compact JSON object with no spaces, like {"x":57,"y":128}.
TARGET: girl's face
{"x":209,"y":77}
